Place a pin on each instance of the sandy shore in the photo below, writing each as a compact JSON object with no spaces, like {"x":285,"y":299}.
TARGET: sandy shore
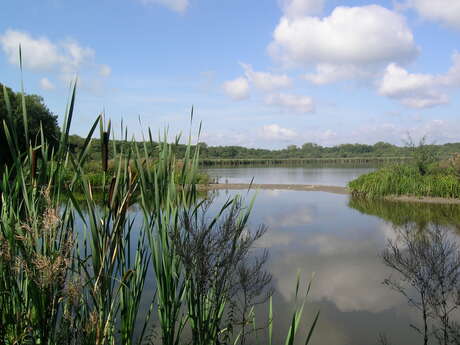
{"x":320,"y":188}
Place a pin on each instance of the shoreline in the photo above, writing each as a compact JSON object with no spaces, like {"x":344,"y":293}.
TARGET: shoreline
{"x":322,"y":188}
{"x":275,"y":186}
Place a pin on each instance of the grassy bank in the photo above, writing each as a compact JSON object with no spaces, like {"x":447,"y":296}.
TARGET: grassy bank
{"x":396,"y":180}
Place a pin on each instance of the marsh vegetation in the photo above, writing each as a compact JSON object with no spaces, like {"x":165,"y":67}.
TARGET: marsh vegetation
{"x":76,"y":271}
{"x":426,"y":175}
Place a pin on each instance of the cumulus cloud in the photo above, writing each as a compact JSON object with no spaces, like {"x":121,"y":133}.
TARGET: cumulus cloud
{"x":296,"y":8}
{"x":326,"y":73}
{"x":39,"y":53}
{"x":419,"y":90}
{"x":175,"y":5}
{"x":348,"y":42}
{"x":46,"y":84}
{"x":237,"y":89}
{"x":291,"y":102}
{"x":266,"y":81}
{"x":76,"y":54}
{"x":444,"y":11}
{"x":276,"y":132}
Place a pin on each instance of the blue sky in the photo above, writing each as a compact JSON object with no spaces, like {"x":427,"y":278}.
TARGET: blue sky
{"x":266,"y":73}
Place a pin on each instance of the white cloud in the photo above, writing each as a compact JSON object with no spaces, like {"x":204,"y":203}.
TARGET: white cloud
{"x":444,"y":11}
{"x":76,"y":54}
{"x":291,"y":102}
{"x":296,"y":8}
{"x":175,"y":5}
{"x":65,"y":59}
{"x":266,"y":81}
{"x":419,"y":90}
{"x":46,"y":84}
{"x":348,"y":42}
{"x":277,"y":132}
{"x":105,"y":71}
{"x":237,"y":89}
{"x":37,"y":53}
{"x":327,"y":73}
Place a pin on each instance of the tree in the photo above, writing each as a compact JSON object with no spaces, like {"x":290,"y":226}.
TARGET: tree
{"x":38,"y":115}
{"x":424,"y":154}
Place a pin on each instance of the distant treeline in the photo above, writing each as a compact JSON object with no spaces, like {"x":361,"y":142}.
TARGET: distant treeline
{"x":307,"y":152}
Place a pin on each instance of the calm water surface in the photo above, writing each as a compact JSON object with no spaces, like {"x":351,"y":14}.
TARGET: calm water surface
{"x":333,"y":176}
{"x":340,"y":240}
{"x":318,"y":232}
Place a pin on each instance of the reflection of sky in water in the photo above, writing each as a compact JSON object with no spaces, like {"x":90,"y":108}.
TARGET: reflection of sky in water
{"x":339,"y":176}
{"x":318,"y":232}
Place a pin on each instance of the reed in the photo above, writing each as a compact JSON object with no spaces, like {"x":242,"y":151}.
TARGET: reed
{"x":407,"y":180}
{"x":75,"y":271}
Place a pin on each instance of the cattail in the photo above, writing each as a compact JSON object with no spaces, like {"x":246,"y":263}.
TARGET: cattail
{"x":105,"y":151}
{"x":34,"y":164}
{"x":111,"y":191}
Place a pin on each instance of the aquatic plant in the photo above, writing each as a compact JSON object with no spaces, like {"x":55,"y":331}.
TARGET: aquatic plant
{"x":406,"y":180}
{"x":75,"y":271}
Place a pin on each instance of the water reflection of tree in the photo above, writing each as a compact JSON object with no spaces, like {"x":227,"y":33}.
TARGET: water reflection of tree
{"x":403,"y":213}
{"x":427,"y":261}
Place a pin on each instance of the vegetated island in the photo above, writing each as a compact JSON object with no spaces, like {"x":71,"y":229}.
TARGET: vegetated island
{"x":426,"y":177}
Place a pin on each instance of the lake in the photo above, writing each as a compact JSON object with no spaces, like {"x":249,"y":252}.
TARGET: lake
{"x":338,"y":175}
{"x":341,"y":241}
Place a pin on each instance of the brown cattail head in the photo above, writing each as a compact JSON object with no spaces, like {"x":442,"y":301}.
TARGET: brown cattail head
{"x":34,"y":164}
{"x":105,"y":151}
{"x":111,"y":191}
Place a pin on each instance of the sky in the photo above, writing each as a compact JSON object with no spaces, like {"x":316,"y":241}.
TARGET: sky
{"x":261,"y":73}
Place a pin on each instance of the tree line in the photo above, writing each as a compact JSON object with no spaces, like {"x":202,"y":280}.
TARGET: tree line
{"x":307,"y":150}
{"x":40,"y":115}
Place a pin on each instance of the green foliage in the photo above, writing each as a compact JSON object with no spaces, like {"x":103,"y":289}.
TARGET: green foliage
{"x":74,"y":272}
{"x":39,"y":116}
{"x":407,"y":180}
{"x":379,"y":150}
{"x":423,"y":154}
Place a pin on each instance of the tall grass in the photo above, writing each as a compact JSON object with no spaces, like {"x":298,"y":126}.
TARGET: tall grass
{"x":76,"y":273}
{"x":407,"y":180}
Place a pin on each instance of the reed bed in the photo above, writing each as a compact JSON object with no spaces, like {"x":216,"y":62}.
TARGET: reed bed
{"x":75,"y":271}
{"x":407,"y":180}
